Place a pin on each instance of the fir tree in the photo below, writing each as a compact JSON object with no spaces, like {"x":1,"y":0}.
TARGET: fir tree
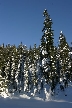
{"x":3,"y":84}
{"x":47,"y":46}
{"x":63,"y":52}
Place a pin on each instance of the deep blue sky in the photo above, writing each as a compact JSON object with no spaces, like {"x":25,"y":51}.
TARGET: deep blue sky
{"x":22,"y":20}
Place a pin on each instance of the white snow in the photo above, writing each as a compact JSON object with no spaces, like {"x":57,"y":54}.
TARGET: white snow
{"x":33,"y":103}
{"x":45,"y":101}
{"x":70,"y":52}
{"x":61,"y":32}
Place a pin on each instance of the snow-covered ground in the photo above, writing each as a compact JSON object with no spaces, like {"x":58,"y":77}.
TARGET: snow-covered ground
{"x":31,"y":103}
{"x":24,"y":101}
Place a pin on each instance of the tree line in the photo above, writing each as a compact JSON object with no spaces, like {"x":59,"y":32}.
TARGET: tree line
{"x":22,"y":68}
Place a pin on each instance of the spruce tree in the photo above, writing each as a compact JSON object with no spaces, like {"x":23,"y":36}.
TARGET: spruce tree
{"x":47,"y":46}
{"x":63,"y":53}
{"x":70,"y":54}
{"x":27,"y":76}
{"x":3,"y":84}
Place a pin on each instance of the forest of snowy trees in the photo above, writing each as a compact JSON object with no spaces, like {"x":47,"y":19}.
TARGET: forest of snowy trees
{"x":23,"y":69}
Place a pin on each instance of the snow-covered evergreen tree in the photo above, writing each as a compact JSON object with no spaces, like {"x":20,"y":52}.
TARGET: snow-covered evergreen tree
{"x":27,"y":76}
{"x":63,"y":55}
{"x":47,"y":46}
{"x":70,"y":69}
{"x":3,"y":84}
{"x":20,"y":59}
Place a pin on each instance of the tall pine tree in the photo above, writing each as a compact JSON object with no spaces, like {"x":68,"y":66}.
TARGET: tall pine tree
{"x":47,"y":46}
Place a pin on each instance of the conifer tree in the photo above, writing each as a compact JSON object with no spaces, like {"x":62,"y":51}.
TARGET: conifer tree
{"x":63,"y":52}
{"x":35,"y":64}
{"x":70,"y":54}
{"x":19,"y":76}
{"x":47,"y":46}
{"x":3,"y":84}
{"x":27,"y":75}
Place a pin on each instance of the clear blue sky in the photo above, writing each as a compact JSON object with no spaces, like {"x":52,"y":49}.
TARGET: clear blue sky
{"x":22,"y":20}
